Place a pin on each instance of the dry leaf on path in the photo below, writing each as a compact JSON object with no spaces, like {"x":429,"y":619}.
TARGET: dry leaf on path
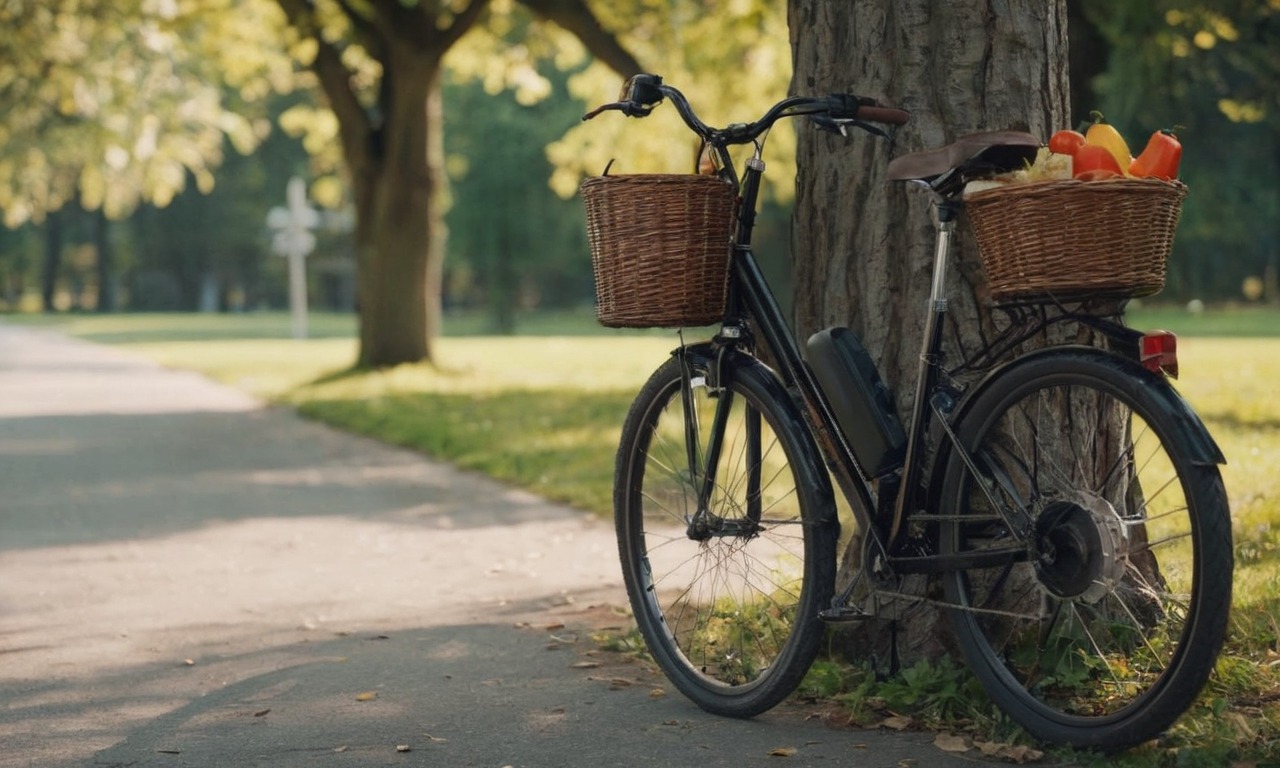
{"x":950,"y":742}
{"x":367,"y":696}
{"x":897,"y":722}
{"x":782,"y":751}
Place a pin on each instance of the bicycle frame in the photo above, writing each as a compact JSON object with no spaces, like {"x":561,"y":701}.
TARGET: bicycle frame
{"x":750,"y":295}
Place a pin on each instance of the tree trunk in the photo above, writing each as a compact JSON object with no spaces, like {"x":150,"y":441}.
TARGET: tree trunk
{"x":52,"y":261}
{"x":399,"y":230}
{"x":863,"y":249}
{"x":106,"y":262}
{"x":394,"y":149}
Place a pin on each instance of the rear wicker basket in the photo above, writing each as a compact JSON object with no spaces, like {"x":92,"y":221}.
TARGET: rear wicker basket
{"x":1071,"y":239}
{"x":659,"y":248}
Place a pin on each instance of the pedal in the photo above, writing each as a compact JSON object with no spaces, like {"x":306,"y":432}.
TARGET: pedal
{"x":844,"y":614}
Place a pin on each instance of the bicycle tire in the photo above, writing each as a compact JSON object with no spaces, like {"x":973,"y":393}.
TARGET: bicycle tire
{"x":731,"y":619}
{"x":1108,"y":631}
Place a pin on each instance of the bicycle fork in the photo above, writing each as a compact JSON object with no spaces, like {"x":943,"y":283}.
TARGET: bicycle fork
{"x":702,"y":467}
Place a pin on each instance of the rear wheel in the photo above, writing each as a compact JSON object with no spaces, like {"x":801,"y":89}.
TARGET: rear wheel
{"x":726,"y":592}
{"x":1104,"y":633}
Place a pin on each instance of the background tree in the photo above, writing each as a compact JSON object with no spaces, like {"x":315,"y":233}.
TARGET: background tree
{"x":862,"y":248}
{"x":379,"y":64}
{"x":1208,"y":67}
{"x":512,"y":245}
{"x":113,"y":103}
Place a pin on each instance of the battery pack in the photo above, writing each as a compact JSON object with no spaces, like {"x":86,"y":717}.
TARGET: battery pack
{"x":862,"y":404}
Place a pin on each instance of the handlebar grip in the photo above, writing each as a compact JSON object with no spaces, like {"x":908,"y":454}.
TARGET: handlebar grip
{"x":886,"y":115}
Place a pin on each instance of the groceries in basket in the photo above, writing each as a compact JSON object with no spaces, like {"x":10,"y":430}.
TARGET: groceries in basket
{"x":1085,"y":220}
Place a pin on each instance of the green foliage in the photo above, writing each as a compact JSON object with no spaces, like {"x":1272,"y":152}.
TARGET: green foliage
{"x":510,"y":248}
{"x":1208,"y":67}
{"x":731,"y":58}
{"x":121,"y":101}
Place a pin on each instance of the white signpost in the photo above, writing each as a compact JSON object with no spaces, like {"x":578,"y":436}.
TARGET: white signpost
{"x":293,"y":240}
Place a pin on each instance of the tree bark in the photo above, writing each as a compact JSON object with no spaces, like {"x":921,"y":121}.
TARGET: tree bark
{"x":399,"y":222}
{"x":863,"y":249}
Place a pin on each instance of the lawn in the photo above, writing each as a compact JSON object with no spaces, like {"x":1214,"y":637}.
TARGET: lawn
{"x":543,"y":412}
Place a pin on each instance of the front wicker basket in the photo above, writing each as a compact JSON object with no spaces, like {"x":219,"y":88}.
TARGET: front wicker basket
{"x":660,"y":248}
{"x":1070,"y":240}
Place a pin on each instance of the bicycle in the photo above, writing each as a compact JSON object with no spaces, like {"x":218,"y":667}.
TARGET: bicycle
{"x":1067,"y":498}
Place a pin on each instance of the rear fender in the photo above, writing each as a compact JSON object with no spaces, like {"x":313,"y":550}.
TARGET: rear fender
{"x":1201,"y":448}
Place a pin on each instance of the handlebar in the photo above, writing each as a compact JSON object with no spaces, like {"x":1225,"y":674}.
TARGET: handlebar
{"x":835,"y":113}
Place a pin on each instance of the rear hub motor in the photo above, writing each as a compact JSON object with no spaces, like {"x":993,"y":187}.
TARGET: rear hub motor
{"x":1081,"y":548}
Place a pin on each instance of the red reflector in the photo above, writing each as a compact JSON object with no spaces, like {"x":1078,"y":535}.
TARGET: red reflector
{"x":1160,"y":352}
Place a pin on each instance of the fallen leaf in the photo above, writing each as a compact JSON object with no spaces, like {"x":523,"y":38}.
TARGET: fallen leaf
{"x":367,"y":696}
{"x":435,"y":739}
{"x":949,"y":742}
{"x":989,"y":748}
{"x":1021,"y":754}
{"x":343,"y":748}
{"x":169,"y":751}
{"x":261,"y":713}
{"x":402,"y":748}
{"x":585,"y":664}
{"x":188,"y":662}
{"x":554,"y":626}
{"x":657,"y":693}
{"x":782,"y":752}
{"x":897,"y":723}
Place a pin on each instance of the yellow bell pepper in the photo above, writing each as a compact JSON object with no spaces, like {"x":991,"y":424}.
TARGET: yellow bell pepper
{"x":1104,"y":135}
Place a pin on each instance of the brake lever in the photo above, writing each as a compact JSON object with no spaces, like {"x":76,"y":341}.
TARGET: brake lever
{"x":628,"y":108}
{"x":840,"y":125}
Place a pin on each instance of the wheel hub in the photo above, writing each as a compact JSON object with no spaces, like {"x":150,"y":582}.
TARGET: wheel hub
{"x":1081,"y":548}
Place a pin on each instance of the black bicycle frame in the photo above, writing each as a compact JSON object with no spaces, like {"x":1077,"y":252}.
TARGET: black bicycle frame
{"x":750,"y":296}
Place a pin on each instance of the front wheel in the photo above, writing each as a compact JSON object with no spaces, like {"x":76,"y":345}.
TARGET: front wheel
{"x":1106,"y":629}
{"x":726,"y":577}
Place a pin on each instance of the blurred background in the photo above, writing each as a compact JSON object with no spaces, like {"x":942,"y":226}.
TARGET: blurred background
{"x":143,"y":143}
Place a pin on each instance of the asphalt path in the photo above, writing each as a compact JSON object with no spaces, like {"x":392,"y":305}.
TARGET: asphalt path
{"x":191,"y":578}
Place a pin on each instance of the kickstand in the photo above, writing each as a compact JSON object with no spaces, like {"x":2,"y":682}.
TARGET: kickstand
{"x":841,"y":611}
{"x":895,"y":662}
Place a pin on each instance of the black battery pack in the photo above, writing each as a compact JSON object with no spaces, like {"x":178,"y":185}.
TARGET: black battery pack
{"x":862,"y":404}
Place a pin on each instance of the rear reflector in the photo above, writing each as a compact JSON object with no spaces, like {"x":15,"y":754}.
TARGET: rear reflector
{"x":1160,"y":352}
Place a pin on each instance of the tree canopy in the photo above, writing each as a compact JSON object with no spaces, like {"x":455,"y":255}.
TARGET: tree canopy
{"x":120,"y":106}
{"x":115,"y":103}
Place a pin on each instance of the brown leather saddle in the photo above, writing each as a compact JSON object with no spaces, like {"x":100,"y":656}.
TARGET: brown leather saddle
{"x":972,"y":156}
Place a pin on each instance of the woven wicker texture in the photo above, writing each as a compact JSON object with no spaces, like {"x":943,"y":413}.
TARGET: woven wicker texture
{"x":659,"y":248}
{"x":1076,"y":239}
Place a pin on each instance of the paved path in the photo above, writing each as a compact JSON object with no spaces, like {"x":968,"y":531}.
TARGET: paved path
{"x":189,"y":578}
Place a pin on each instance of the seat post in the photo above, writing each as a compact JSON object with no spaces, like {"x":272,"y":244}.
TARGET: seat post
{"x":945,"y":213}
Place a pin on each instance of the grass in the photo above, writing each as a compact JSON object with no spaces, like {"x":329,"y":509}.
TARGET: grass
{"x":543,"y":412}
